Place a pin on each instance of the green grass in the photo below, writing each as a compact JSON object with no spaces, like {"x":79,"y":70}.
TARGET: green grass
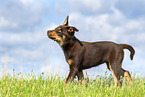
{"x":40,"y":86}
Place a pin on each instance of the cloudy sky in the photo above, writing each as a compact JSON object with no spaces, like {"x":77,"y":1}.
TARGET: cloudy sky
{"x":24,"y":42}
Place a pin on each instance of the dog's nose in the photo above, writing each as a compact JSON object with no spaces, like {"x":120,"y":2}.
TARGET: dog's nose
{"x":48,"y":32}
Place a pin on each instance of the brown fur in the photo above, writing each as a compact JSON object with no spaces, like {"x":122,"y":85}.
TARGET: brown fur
{"x":83,"y":55}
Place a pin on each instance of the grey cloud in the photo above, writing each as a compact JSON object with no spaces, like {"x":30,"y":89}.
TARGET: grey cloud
{"x":101,"y":27}
{"x":131,"y":8}
{"x":18,"y":17}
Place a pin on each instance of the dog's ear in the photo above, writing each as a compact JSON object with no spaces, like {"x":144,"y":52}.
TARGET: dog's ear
{"x":66,"y":21}
{"x":71,"y":30}
{"x":75,"y":29}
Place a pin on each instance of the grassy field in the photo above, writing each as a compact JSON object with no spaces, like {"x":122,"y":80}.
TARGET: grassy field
{"x":40,"y":86}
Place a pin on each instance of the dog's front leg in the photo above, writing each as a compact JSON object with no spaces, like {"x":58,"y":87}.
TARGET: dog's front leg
{"x":80,"y":75}
{"x":73,"y":72}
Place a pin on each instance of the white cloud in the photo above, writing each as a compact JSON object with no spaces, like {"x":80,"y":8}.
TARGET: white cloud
{"x":87,"y":4}
{"x":108,"y":26}
{"x":96,"y":19}
{"x":19,"y":39}
{"x":7,"y":59}
{"x":136,"y":25}
{"x":29,"y":46}
{"x":3,"y":22}
{"x":91,"y":6}
{"x":96,"y":25}
{"x":51,"y":27}
{"x":27,"y":1}
{"x":59,"y":8}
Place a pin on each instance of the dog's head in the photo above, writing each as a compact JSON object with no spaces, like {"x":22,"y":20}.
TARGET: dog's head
{"x":62,"y":33}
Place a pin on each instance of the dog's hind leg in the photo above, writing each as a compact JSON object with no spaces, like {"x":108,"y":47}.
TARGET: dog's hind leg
{"x":126,"y":75}
{"x":116,"y":75}
{"x":115,"y":69}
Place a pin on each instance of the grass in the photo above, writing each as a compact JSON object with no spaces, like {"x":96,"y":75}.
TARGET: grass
{"x":40,"y":86}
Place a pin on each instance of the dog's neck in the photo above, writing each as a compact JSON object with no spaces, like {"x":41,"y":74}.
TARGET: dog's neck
{"x":69,"y":44}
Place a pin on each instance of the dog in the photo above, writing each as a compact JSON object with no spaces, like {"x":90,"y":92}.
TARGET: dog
{"x":82,"y":55}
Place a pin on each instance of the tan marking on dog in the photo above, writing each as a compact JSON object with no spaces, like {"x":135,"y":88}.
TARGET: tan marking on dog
{"x":127,"y":77}
{"x":63,"y":37}
{"x":114,"y":76}
{"x":71,"y":30}
{"x":69,"y":61}
{"x":59,"y":30}
{"x":58,"y":39}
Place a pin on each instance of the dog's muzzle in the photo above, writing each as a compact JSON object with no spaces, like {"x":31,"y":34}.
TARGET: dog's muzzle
{"x":49,"y":33}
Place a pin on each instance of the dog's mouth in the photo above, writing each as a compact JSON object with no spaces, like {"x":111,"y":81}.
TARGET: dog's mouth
{"x":57,"y":39}
{"x":53,"y":38}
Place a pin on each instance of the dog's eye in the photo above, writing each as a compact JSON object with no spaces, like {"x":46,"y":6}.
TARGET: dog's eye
{"x":71,"y":30}
{"x":59,"y":30}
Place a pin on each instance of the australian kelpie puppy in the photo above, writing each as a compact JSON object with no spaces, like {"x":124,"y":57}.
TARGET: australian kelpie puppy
{"x":82,"y":55}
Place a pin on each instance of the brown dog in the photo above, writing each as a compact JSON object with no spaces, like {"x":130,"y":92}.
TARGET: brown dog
{"x":83,"y":55}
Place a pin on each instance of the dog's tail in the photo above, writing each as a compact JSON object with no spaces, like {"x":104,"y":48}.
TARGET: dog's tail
{"x":130,"y":48}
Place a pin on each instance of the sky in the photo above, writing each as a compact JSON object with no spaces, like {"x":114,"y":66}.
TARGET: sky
{"x":24,"y":25}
